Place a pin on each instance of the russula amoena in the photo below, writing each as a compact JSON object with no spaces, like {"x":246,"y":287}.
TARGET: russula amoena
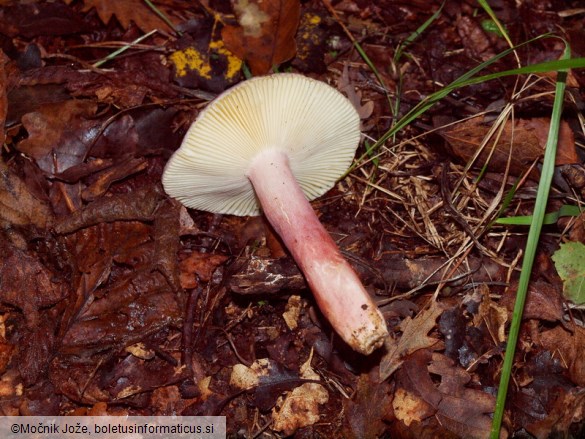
{"x":270,"y":144}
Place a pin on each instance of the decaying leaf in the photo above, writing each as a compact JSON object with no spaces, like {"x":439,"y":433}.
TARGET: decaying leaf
{"x":3,"y":94}
{"x":568,"y":344}
{"x":522,"y":141}
{"x":292,"y":312}
{"x":452,"y":405}
{"x":60,"y":134}
{"x":300,"y":407}
{"x":414,"y":337}
{"x":268,"y":378}
{"x":265,"y":35}
{"x":26,"y":283}
{"x":18,"y":205}
{"x":368,"y":408}
{"x":200,"y":264}
{"x":126,"y":11}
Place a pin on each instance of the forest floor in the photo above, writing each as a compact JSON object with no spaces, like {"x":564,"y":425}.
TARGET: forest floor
{"x":117,"y":300}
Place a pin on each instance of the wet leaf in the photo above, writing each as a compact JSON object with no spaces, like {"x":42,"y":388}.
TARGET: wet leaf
{"x":414,"y":337}
{"x":3,"y":94}
{"x":568,"y":343}
{"x":18,"y":205}
{"x":126,"y":11}
{"x":522,"y":141}
{"x":39,"y":18}
{"x":200,"y":264}
{"x":26,"y":283}
{"x":570,"y":263}
{"x":60,"y":134}
{"x":368,"y":408}
{"x":265,"y":36}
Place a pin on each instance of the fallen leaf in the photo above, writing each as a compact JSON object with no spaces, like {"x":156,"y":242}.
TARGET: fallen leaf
{"x":3,"y":95}
{"x":462,"y":410}
{"x":60,"y":134}
{"x":569,"y":346}
{"x":201,"y":264}
{"x":366,"y":411}
{"x":414,"y":337}
{"x":522,"y":141}
{"x":291,"y":315}
{"x":26,"y":283}
{"x":570,"y":264}
{"x":126,"y":11}
{"x":311,"y":39}
{"x":300,"y":408}
{"x":450,"y":406}
{"x":543,"y":302}
{"x":265,"y":35}
{"x":18,"y":205}
{"x":267,"y":377}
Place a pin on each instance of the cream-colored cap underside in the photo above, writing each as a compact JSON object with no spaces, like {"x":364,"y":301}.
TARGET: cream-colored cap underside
{"x":312,"y":122}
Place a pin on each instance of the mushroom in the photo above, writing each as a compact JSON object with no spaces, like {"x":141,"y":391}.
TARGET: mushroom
{"x":271,"y":144}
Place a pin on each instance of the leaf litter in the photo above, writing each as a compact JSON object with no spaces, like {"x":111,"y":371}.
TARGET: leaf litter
{"x":117,"y":300}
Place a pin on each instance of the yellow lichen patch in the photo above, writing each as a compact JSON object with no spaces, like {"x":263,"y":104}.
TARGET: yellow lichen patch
{"x":193,"y":61}
{"x":190,"y":59}
{"x":234,"y":64}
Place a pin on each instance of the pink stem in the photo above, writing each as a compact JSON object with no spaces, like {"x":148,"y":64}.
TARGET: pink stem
{"x":337,"y":289}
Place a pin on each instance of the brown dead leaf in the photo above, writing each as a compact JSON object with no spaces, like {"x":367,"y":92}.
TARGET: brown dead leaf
{"x":126,"y":11}
{"x":300,"y":408}
{"x":414,"y":337}
{"x":569,"y":346}
{"x":568,"y":409}
{"x":543,"y":302}
{"x":447,"y":407}
{"x":462,"y":410}
{"x":368,"y":409}
{"x":345,"y":85}
{"x":522,"y":141}
{"x":200,"y":264}
{"x":26,"y":283}
{"x":265,"y":35}
{"x":3,"y":95}
{"x":60,"y":134}
{"x":18,"y":205}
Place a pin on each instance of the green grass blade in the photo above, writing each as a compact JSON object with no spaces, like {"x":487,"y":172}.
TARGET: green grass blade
{"x":530,"y":250}
{"x":117,"y":52}
{"x":549,"y":218}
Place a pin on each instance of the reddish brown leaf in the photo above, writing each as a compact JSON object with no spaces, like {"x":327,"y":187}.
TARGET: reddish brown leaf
{"x":200,"y":264}
{"x":458,"y":409}
{"x":266,"y":31}
{"x":414,"y":337}
{"x":126,"y":11}
{"x":3,"y":95}
{"x":25,"y":282}
{"x":367,"y":410}
{"x":522,"y":141}
{"x":60,"y":134}
{"x":569,"y":346}
{"x":18,"y":206}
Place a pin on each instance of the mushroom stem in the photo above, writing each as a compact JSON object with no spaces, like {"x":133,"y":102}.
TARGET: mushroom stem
{"x":337,"y":289}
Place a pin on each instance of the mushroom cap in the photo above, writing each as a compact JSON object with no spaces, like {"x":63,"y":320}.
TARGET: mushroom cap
{"x":317,"y":127}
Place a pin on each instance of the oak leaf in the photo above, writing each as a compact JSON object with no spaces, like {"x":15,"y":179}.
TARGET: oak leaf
{"x":414,"y":337}
{"x":126,"y":11}
{"x":265,"y":35}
